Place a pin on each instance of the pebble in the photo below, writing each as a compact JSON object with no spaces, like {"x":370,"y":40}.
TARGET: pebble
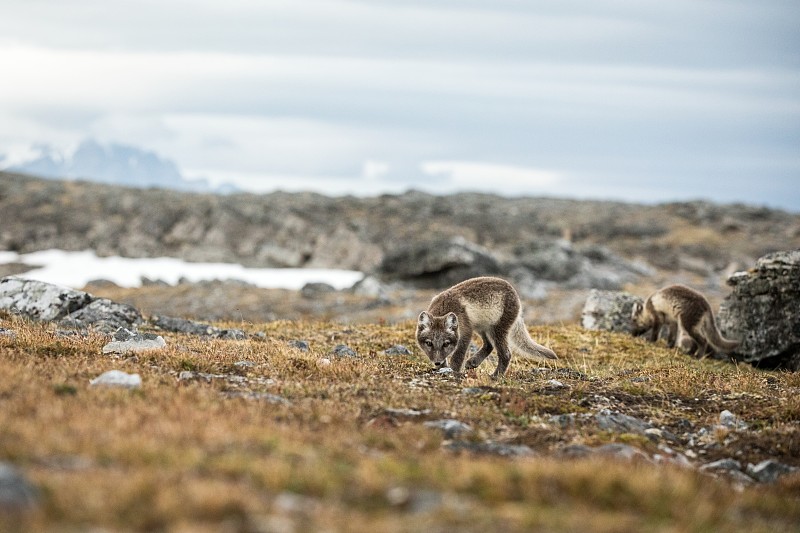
{"x":451,"y":428}
{"x":16,"y":493}
{"x":117,"y":378}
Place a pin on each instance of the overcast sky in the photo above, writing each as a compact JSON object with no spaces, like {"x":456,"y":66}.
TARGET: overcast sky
{"x":636,"y":100}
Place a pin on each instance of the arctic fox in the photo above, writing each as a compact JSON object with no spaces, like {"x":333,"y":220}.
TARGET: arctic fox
{"x":487,"y":306}
{"x":688,"y":316}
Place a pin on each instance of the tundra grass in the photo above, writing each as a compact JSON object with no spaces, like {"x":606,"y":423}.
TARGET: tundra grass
{"x":198,"y":452}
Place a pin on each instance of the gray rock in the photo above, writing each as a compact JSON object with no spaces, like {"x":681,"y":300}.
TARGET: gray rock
{"x":449,"y":427}
{"x":127,"y":341}
{"x":608,"y":311}
{"x":554,"y":384}
{"x":577,"y":267}
{"x":622,"y":451}
{"x":731,"y":421}
{"x":724,"y":465}
{"x":43,"y":301}
{"x":315,"y":289}
{"x":117,"y":378}
{"x":40,"y":301}
{"x":342,"y":350}
{"x":563,"y":421}
{"x":182,"y":325}
{"x":16,"y":492}
{"x":406,"y":413}
{"x":620,"y":423}
{"x":763,"y":310}
{"x":490,"y":448}
{"x":257,"y":396}
{"x":438,"y":263}
{"x":300,"y":345}
{"x":769,"y":471}
{"x":398,"y":349}
{"x":104,"y":315}
{"x":371,"y":287}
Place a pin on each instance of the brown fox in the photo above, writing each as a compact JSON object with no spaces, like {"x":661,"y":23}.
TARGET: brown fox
{"x":487,"y":306}
{"x":688,"y":316}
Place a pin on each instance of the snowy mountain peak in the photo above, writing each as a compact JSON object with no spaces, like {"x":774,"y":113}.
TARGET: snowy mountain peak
{"x":114,"y":164}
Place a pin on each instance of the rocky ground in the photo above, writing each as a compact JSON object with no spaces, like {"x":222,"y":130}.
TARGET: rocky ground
{"x":298,"y":425}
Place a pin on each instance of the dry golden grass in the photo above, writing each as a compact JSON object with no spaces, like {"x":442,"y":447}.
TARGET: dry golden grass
{"x":182,"y":456}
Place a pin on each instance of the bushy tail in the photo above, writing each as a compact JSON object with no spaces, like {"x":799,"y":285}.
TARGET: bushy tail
{"x":715,"y":339}
{"x":521,"y":340}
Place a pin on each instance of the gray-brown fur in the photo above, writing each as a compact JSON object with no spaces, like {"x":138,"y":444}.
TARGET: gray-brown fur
{"x":487,"y":306}
{"x":688,"y":316}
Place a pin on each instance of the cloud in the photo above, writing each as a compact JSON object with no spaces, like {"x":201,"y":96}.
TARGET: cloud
{"x":610,"y":93}
{"x":475,"y":176}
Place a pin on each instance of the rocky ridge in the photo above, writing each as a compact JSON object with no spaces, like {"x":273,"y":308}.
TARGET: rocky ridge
{"x":524,"y":237}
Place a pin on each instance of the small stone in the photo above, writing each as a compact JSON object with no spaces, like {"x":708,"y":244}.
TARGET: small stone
{"x":622,"y":451}
{"x":342,"y":350}
{"x":16,"y":493}
{"x":244,"y":364}
{"x":406,"y":413}
{"x":451,"y":428}
{"x":398,"y":349}
{"x":653,"y":433}
{"x":117,"y":378}
{"x":554,"y":384}
{"x":563,"y":421}
{"x":125,"y":341}
{"x":300,"y":345}
{"x":769,"y":471}
{"x":323,"y":361}
{"x":397,"y":496}
{"x":725,"y":465}
{"x":490,"y":448}
{"x":7,"y":333}
{"x":445,"y":370}
{"x":620,"y":423}
{"x":731,"y":421}
{"x":258,"y":396}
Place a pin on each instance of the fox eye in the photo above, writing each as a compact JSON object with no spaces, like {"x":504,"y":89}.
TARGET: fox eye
{"x":446,"y":344}
{"x":428,"y":343}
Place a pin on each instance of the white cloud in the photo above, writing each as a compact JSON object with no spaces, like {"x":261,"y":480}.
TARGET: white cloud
{"x":373,"y":170}
{"x":501,"y":179}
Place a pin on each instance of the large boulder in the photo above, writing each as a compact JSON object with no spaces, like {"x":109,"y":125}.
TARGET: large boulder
{"x":438,"y":263}
{"x":609,"y":311}
{"x":578,"y":267}
{"x":38,"y":300}
{"x":763,"y":310}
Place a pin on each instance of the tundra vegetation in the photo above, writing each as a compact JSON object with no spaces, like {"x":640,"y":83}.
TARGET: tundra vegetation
{"x":263,"y":435}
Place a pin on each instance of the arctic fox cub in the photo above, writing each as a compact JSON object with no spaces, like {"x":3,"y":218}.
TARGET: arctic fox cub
{"x":487,"y":306}
{"x":688,"y":316}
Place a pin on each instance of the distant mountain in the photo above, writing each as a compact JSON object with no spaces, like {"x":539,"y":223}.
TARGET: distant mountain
{"x":113,"y":164}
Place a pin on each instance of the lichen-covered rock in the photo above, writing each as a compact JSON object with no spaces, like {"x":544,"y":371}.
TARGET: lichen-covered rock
{"x":763,"y":310}
{"x":38,"y":300}
{"x":608,"y":310}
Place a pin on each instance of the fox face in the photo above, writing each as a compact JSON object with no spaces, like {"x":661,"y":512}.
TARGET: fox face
{"x":640,"y":320}
{"x":437,"y":336}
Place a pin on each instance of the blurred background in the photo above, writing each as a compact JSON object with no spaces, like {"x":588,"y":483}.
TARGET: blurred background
{"x":566,"y":146}
{"x":636,"y":101}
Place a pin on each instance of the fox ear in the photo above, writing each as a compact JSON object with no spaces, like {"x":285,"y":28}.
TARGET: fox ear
{"x":424,"y":319}
{"x":451,"y":321}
